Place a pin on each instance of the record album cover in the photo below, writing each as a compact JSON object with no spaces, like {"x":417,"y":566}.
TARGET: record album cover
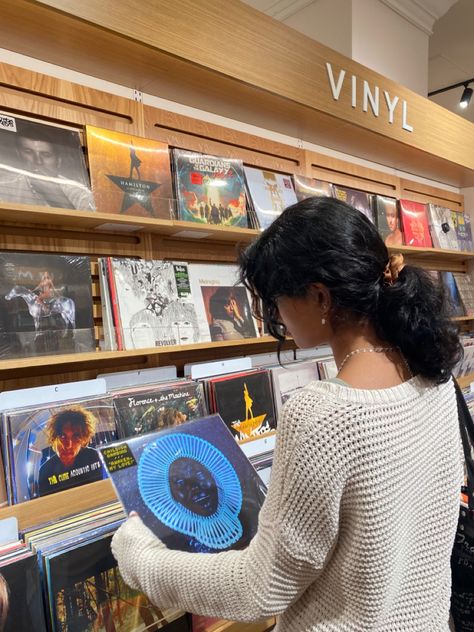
{"x":155,"y":305}
{"x":415,"y":224}
{"x":87,"y":593}
{"x":45,"y":305}
{"x":357,"y":199}
{"x":130,"y":175}
{"x":55,"y":447}
{"x":42,"y":165}
{"x":21,"y":603}
{"x":192,"y":485}
{"x":461,"y":228}
{"x":310,"y":187}
{"x":222,"y":304}
{"x":289,"y":378}
{"x":209,"y":189}
{"x":158,"y":407}
{"x":245,"y":403}
{"x":451,"y":289}
{"x":388,"y":220}
{"x":442,"y":227}
{"x":271,"y":193}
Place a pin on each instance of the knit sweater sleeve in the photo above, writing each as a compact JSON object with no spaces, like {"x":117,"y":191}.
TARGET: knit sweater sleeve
{"x":298,"y":526}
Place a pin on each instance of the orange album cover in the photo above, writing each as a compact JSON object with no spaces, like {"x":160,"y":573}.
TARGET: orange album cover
{"x":130,"y":175}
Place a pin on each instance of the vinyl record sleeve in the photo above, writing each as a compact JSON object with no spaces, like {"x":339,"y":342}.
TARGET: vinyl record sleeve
{"x":271,"y":193}
{"x":465,"y":287}
{"x":357,"y":199}
{"x":223,"y":305}
{"x":388,"y":220}
{"x":158,"y":407}
{"x":209,"y":189}
{"x":245,"y":403}
{"x":415,"y":224}
{"x":130,"y":175}
{"x":41,"y":466}
{"x":460,"y":227}
{"x":25,"y":604}
{"x":87,"y":592}
{"x":311,"y":187}
{"x":45,"y":305}
{"x":192,"y":485}
{"x":288,"y":379}
{"x":442,"y":227}
{"x":154,"y":303}
{"x":42,"y":165}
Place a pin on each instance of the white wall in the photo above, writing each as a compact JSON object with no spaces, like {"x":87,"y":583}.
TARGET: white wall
{"x":389,"y":44}
{"x":326,"y":21}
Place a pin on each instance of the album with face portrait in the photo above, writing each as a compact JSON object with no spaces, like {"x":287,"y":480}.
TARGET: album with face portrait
{"x":45,"y":305}
{"x":157,"y":407}
{"x":223,"y":305}
{"x":388,"y":220}
{"x":191,"y":484}
{"x":54,"y":447}
{"x":415,"y":224}
{"x":42,"y":165}
{"x":153,"y":303}
{"x":209,"y":189}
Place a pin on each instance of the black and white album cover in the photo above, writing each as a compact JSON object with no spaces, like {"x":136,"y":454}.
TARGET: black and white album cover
{"x":155,"y":303}
{"x":42,"y":165}
{"x":45,"y":305}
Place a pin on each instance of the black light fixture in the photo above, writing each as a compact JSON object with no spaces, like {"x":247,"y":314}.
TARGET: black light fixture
{"x":466,"y":95}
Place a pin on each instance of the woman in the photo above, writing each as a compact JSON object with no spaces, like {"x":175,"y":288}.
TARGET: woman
{"x":358,"y":525}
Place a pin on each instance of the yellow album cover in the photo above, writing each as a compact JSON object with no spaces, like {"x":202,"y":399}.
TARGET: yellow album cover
{"x":130,"y":175}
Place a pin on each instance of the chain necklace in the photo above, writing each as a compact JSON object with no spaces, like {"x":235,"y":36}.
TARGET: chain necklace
{"x":369,"y":350}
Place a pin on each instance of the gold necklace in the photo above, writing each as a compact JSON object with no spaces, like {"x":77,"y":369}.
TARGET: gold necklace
{"x":367,"y":350}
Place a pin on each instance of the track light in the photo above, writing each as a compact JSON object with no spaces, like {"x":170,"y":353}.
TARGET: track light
{"x":466,"y":97}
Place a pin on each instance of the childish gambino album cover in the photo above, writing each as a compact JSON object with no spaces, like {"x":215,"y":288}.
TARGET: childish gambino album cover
{"x":130,"y":175}
{"x":191,"y":484}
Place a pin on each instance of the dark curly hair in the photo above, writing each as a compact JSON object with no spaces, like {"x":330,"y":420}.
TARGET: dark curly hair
{"x":324,"y":240}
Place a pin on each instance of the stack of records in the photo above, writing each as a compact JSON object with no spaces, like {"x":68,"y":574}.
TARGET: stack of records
{"x":289,"y":378}
{"x":209,"y":189}
{"x":21,"y":603}
{"x":465,"y":286}
{"x":153,"y":408}
{"x":327,"y":368}
{"x":357,"y":199}
{"x":244,"y":401}
{"x":270,"y":194}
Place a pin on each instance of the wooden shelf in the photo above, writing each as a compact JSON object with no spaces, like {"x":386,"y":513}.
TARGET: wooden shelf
{"x":462,"y":318}
{"x":465,"y":380}
{"x":177,"y":353}
{"x":110,"y":223}
{"x":438,"y":253}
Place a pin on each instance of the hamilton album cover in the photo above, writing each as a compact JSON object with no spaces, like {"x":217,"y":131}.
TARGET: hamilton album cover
{"x":54,"y":447}
{"x":21,"y":604}
{"x":191,"y":484}
{"x":86,"y":592}
{"x":45,"y":305}
{"x":130,"y":175}
{"x":209,"y":189}
{"x":42,"y":164}
{"x":158,"y":407}
{"x":245,"y":403}
{"x":154,"y":303}
{"x":271,"y":193}
{"x":358,"y":199}
{"x":310,"y":187}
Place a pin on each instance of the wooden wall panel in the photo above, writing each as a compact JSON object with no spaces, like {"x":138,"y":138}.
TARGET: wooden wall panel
{"x":419,"y":192}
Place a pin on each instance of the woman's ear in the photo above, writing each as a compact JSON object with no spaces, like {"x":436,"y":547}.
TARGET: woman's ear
{"x":322,"y":296}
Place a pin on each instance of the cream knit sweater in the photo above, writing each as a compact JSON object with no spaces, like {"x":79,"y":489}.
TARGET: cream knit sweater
{"x":357,"y":528}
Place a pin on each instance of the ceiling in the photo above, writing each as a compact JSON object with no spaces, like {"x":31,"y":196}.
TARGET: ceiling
{"x":451,"y":43}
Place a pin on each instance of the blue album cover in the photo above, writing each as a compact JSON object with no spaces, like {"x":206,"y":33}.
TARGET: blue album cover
{"x":191,"y":484}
